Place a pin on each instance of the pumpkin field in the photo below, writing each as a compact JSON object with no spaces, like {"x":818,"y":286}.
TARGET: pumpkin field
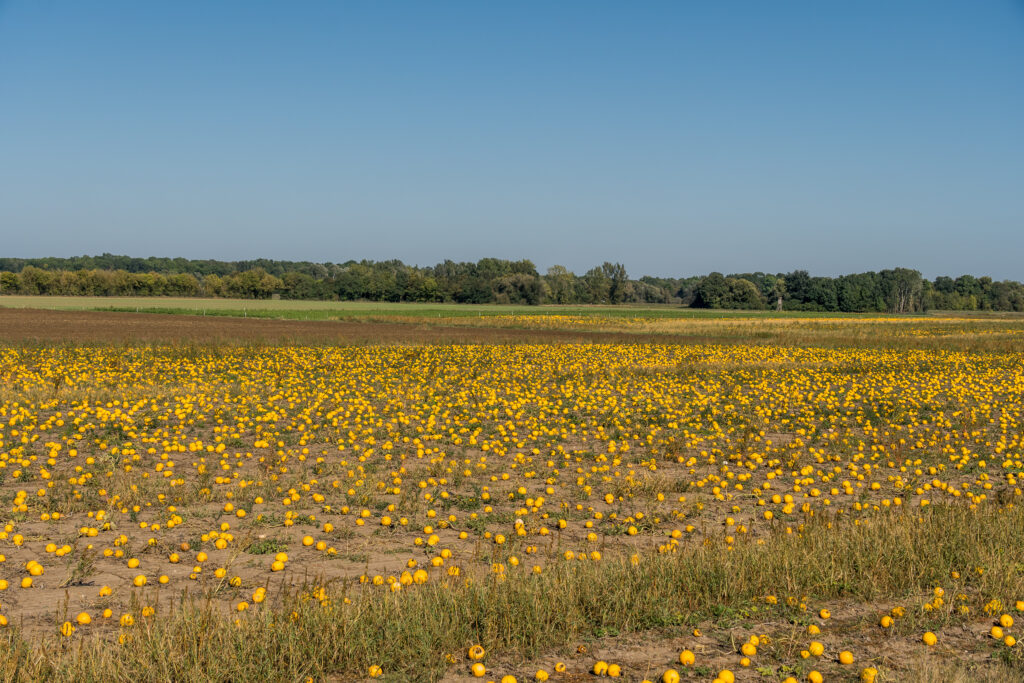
{"x":511,"y":498}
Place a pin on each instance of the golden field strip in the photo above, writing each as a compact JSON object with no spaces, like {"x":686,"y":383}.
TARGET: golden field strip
{"x":763,"y":509}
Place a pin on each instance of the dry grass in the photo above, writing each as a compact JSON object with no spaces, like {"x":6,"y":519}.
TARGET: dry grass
{"x":934,"y":670}
{"x":410,"y":635}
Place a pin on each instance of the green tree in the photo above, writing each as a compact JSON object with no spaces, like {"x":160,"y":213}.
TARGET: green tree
{"x":615,"y":274}
{"x":8,"y":282}
{"x":561,"y":285}
{"x":595,"y":286}
{"x":711,"y":291}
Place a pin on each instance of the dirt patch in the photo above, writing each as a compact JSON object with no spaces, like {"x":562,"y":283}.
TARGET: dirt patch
{"x":26,"y":325}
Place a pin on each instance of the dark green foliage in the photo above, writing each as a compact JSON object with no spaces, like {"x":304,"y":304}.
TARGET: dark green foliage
{"x":501,"y":281}
{"x":899,"y":290}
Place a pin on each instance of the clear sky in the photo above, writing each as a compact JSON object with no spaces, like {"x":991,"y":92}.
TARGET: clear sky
{"x":677,"y":137}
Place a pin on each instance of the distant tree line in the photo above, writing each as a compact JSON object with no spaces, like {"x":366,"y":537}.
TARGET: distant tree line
{"x":488,"y":280}
{"x":899,"y":290}
{"x":493,"y":280}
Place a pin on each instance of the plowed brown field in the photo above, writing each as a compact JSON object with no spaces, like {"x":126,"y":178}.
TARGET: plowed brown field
{"x":21,"y":325}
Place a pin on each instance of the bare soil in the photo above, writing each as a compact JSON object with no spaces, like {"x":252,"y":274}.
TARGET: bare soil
{"x":27,"y":325}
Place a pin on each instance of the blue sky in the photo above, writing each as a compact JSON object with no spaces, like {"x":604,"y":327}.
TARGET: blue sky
{"x":675,"y":137}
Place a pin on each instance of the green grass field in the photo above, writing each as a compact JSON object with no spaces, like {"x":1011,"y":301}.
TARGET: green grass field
{"x":328,"y":310}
